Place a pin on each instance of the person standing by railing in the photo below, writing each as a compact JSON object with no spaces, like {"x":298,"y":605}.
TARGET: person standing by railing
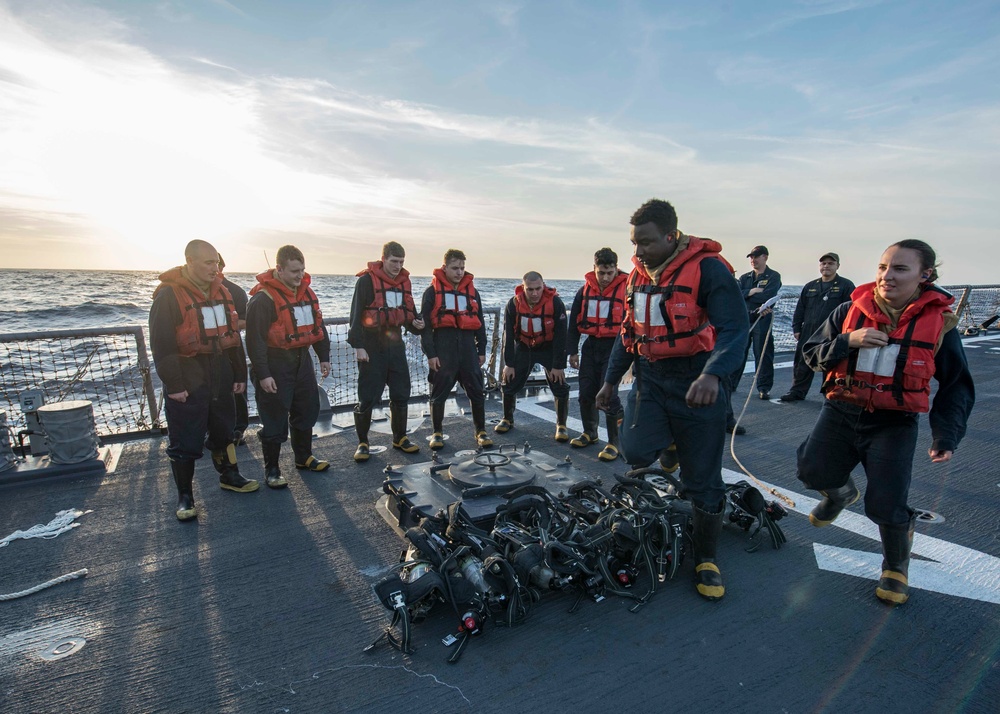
{"x":199,"y":357}
{"x":283,"y":321}
{"x":597,"y":312}
{"x":455,"y":344}
{"x":381,"y":307}
{"x":817,"y":300}
{"x":534,"y":332}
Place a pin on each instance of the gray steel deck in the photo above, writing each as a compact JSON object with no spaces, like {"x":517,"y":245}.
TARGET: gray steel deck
{"x":264,"y":604}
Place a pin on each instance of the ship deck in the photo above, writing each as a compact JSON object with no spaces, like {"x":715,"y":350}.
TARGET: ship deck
{"x":264,"y":604}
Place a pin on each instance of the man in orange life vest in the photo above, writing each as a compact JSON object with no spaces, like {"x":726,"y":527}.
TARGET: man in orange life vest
{"x":534,"y":333}
{"x":199,"y":358}
{"x":240,"y":300}
{"x":683,"y":333}
{"x":283,"y":321}
{"x":456,"y":343}
{"x":382,"y":306}
{"x":597,"y":312}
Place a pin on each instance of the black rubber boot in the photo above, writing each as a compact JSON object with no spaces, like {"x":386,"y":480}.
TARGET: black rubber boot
{"x":507,"y":423}
{"x":479,"y":425}
{"x":272,"y":472}
{"x":562,"y":411}
{"x":302,"y":448}
{"x":230,"y":477}
{"x":590,"y":418}
{"x":611,"y":451}
{"x":834,"y":501}
{"x":184,"y":480}
{"x":705,"y":529}
{"x":397,"y":421}
{"x":437,"y":424}
{"x":362,"y":422}
{"x":893,"y":587}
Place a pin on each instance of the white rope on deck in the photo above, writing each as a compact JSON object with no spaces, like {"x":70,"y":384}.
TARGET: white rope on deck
{"x":55,"y":581}
{"x":64,"y":521}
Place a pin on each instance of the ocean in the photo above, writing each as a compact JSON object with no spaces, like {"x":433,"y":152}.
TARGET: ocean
{"x":38,"y":300}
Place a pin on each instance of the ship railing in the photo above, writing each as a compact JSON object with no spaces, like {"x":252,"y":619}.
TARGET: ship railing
{"x":111,"y":367}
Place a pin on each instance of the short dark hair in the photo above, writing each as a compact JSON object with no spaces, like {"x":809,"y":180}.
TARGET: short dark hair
{"x":194,"y":247}
{"x":453,"y":254}
{"x":928,"y":258}
{"x":656,"y":211}
{"x":605,"y":256}
{"x":288,"y":253}
{"x":394,"y":249}
{"x":532,"y":276}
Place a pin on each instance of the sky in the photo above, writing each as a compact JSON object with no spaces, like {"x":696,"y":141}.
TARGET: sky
{"x":524,"y":133}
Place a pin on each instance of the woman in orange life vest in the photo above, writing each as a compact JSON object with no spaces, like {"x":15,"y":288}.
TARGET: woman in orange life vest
{"x":199,"y":358}
{"x":534,"y":333}
{"x":381,"y":307}
{"x":878,"y":354}
{"x":283,"y":322}
{"x":597,"y":312}
{"x":455,"y":344}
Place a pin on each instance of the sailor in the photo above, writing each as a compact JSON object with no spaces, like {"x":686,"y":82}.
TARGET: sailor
{"x":817,"y":300}
{"x":199,"y":357}
{"x":878,"y":354}
{"x":240,"y":301}
{"x":685,"y":330}
{"x":456,"y":344}
{"x":757,"y":287}
{"x":597,"y":312}
{"x":534,"y":333}
{"x":382,"y":306}
{"x":283,"y":321}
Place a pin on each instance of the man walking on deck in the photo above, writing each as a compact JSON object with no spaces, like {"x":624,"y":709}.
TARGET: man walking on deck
{"x":757,"y":287}
{"x":817,"y":300}
{"x":283,"y":321}
{"x":597,"y":312}
{"x":534,"y":333}
{"x":683,"y":333}
{"x":381,"y":307}
{"x":455,"y":344}
{"x":199,"y":357}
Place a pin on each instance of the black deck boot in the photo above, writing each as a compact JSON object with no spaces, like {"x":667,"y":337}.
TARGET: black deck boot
{"x":272,"y":472}
{"x":479,"y":425}
{"x":230,"y":477}
{"x":893,"y":587}
{"x":611,"y":451}
{"x":397,"y":421}
{"x":562,"y":411}
{"x":834,"y":501}
{"x":362,"y":422}
{"x":302,"y":442}
{"x":705,"y":529}
{"x":437,"y":424}
{"x":590,"y":418}
{"x":184,"y":479}
{"x":507,"y":423}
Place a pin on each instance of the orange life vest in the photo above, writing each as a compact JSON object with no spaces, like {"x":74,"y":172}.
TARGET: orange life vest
{"x":665,"y":320}
{"x":455,"y":305}
{"x":208,"y":324}
{"x":898,"y":375}
{"x":602,"y":311}
{"x":299,"y":320}
{"x":393,"y":304}
{"x":535,"y":325}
